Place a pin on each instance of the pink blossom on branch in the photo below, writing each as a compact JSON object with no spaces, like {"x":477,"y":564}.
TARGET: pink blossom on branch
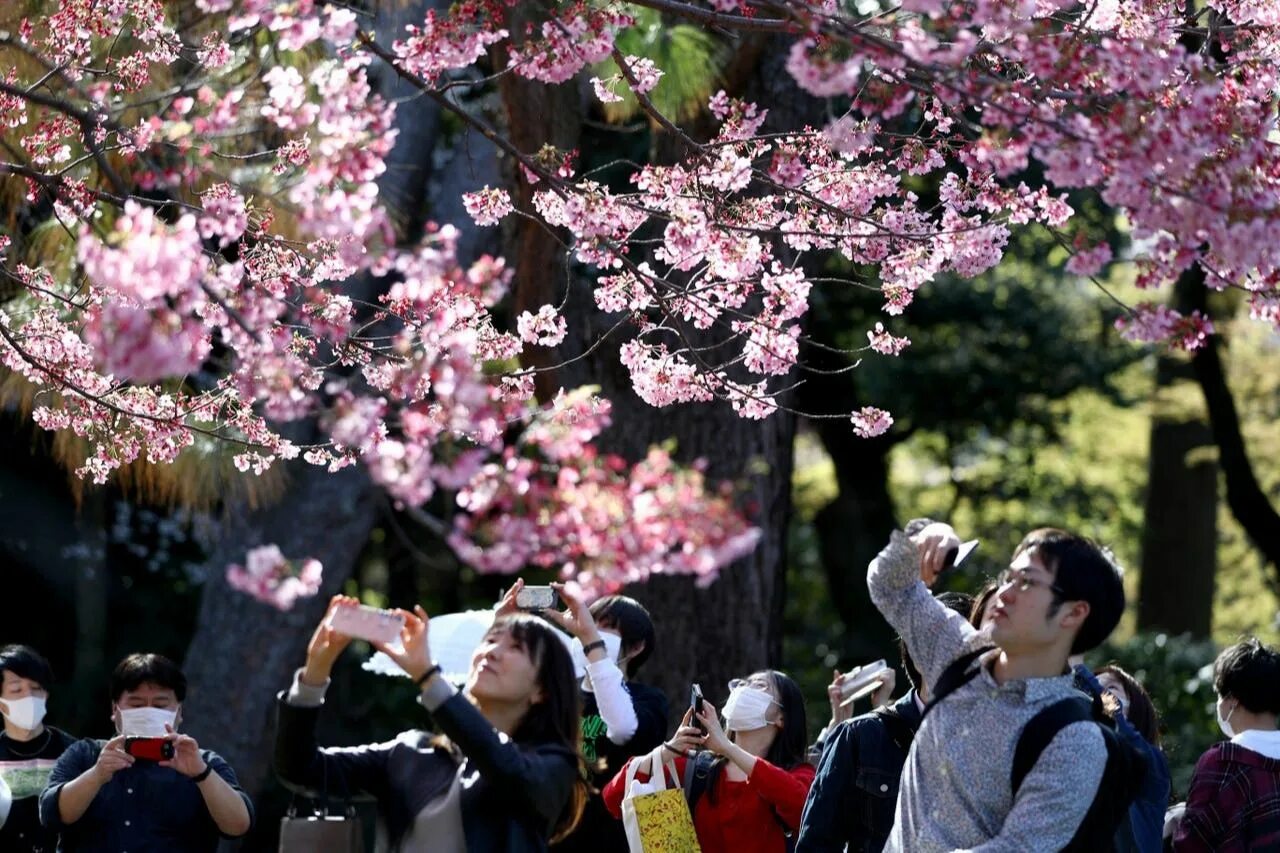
{"x":267,"y":576}
{"x":870,"y":422}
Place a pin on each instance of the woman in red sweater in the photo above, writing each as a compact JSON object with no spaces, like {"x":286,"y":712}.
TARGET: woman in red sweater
{"x":759,"y":780}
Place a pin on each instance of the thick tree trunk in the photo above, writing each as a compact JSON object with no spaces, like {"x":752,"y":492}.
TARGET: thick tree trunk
{"x":243,"y":651}
{"x":1179,"y":538}
{"x":734,"y":626}
{"x":1248,"y":502}
{"x":851,"y":531}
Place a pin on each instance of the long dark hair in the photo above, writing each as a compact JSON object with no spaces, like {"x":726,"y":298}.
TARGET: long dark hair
{"x":790,"y":747}
{"x":557,"y":718}
{"x":1142,"y":711}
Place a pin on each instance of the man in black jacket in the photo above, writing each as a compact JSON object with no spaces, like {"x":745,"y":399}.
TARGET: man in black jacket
{"x":855,"y":791}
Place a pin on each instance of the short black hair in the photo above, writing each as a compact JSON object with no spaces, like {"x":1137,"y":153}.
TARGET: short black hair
{"x":961,"y":603}
{"x":1082,"y":571}
{"x":139,"y":669}
{"x":632,"y":622}
{"x":1249,"y":672}
{"x":26,"y":662}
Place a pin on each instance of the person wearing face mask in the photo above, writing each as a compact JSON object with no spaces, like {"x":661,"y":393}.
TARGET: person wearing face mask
{"x":101,"y":798}
{"x":749,"y":799}
{"x":29,"y":749}
{"x":505,"y":776}
{"x":1233,"y":803}
{"x":620,"y":717}
{"x":1129,"y":705}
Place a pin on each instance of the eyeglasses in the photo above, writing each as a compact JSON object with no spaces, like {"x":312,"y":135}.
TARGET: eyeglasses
{"x":1024,"y":582}
{"x":735,"y":683}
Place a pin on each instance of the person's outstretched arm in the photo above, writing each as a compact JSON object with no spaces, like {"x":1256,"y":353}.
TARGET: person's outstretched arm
{"x":899,"y":579}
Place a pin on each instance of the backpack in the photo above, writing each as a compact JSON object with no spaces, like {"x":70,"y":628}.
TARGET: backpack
{"x":1122,"y":776}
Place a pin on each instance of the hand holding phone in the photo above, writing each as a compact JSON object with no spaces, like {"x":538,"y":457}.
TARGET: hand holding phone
{"x":863,"y":681}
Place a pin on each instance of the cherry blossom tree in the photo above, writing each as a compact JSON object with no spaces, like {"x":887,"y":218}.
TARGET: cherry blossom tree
{"x":209,"y":175}
{"x":217,"y":197}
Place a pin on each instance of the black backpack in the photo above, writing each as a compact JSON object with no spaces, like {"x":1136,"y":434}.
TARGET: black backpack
{"x":1122,"y":778}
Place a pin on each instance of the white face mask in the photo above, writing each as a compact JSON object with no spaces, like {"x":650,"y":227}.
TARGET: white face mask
{"x":746,"y":709}
{"x":147,"y":722}
{"x":1224,"y":723}
{"x":25,"y":713}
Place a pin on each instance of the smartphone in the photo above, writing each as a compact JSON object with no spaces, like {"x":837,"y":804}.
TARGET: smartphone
{"x":367,"y":623}
{"x":537,"y":598}
{"x":696,"y":703}
{"x":956,"y":556}
{"x":863,"y":681}
{"x":149,"y":748}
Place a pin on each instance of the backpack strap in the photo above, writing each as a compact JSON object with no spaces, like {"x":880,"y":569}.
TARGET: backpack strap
{"x":957,"y":674}
{"x":1041,"y":729}
{"x":898,"y":728}
{"x":697,"y":776}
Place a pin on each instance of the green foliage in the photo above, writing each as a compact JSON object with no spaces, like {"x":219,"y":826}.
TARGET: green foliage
{"x":689,"y":56}
{"x":1178,"y":674}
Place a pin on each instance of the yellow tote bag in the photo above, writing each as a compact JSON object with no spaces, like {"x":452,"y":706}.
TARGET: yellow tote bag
{"x":656,"y":815}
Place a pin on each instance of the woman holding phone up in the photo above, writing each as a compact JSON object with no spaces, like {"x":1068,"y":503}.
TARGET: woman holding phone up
{"x":506,"y":776}
{"x":755,"y":788}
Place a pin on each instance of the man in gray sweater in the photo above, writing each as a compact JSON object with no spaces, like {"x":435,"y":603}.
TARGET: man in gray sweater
{"x":1061,"y":595}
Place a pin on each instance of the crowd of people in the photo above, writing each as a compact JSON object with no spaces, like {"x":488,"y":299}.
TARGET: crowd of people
{"x":1003,"y":741}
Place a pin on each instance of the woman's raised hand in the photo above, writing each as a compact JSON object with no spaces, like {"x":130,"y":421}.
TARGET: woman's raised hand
{"x":688,"y":737}
{"x":326,"y":644}
{"x":506,"y":605}
{"x":716,"y":740}
{"x":576,"y":618}
{"x":413,"y":655}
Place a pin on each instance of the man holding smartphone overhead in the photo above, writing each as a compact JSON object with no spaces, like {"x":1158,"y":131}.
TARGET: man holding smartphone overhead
{"x":1061,"y":595}
{"x":149,"y":788}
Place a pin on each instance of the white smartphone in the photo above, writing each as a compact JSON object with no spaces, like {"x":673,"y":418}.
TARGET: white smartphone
{"x":367,"y":623}
{"x":863,"y":681}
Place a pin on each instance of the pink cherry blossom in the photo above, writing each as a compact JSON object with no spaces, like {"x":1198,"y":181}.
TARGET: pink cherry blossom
{"x":487,"y":206}
{"x":870,"y":422}
{"x":271,"y":579}
{"x":547,"y":328}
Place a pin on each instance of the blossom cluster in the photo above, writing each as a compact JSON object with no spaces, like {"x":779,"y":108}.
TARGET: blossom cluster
{"x":267,"y":576}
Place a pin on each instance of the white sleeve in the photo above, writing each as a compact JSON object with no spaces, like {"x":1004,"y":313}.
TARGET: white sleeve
{"x":614,"y":700}
{"x":303,"y":695}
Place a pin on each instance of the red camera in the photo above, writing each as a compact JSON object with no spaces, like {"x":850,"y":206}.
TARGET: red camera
{"x":149,"y":748}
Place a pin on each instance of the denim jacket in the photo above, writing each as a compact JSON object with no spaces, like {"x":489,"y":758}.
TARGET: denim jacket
{"x":1142,"y":831}
{"x":855,"y":792}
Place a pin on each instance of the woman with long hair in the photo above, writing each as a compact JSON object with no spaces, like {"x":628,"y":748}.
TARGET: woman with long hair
{"x":749,"y":797}
{"x":1129,"y":705}
{"x":506,"y":775}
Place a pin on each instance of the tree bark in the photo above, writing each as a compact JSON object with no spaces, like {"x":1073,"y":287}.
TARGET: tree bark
{"x":1179,"y":538}
{"x":243,"y":651}
{"x":1246,"y":498}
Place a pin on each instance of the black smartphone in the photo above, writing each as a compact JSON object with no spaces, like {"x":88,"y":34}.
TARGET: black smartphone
{"x":696,"y":702}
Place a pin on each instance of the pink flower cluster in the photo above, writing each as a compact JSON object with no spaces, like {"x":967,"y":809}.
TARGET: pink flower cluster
{"x":1149,"y":323}
{"x":487,"y":206}
{"x":267,"y":576}
{"x":552,"y":500}
{"x":576,"y":36}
